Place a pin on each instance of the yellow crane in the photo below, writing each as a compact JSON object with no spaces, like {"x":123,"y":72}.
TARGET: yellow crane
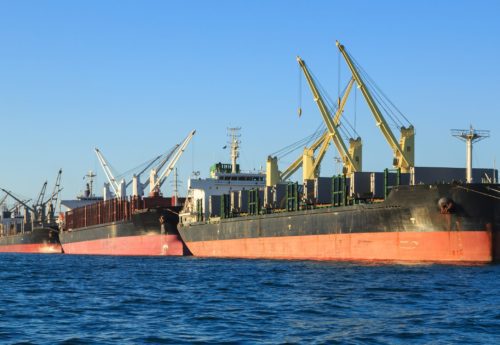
{"x":352,"y":156}
{"x":310,"y":164}
{"x":404,"y":153}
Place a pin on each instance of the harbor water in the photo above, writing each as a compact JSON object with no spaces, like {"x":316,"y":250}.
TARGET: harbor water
{"x":63,"y":299}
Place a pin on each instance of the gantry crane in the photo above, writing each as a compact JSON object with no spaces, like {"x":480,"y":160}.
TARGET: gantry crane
{"x":404,"y":153}
{"x":156,"y":182}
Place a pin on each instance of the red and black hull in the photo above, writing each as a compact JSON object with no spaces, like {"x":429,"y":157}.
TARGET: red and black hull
{"x":39,"y":240}
{"x":408,"y":226}
{"x":142,"y":234}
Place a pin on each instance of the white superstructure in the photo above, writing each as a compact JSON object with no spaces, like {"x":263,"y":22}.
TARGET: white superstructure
{"x":224,"y":178}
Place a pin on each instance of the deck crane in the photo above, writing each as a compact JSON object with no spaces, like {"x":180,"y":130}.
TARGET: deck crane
{"x":404,"y":154}
{"x":156,"y":183}
{"x":158,"y":167}
{"x":153,"y":161}
{"x":2,"y":200}
{"x":41,"y":195}
{"x":19,"y":204}
{"x":351,"y":157}
{"x":28,"y":209}
{"x":109,"y":175}
{"x":52,"y":201}
{"x":309,"y":164}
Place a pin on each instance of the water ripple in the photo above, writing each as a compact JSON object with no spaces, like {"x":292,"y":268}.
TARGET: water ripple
{"x":62,"y":299}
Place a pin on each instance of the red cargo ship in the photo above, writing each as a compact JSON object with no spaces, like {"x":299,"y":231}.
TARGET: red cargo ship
{"x":137,"y":226}
{"x":18,"y":237}
{"x":436,"y":223}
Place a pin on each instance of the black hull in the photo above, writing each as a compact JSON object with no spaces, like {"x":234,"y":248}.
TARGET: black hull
{"x":144,"y":234}
{"x":408,"y":210}
{"x":39,"y":240}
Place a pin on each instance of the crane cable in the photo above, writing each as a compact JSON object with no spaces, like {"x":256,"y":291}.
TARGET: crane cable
{"x":381,"y":98}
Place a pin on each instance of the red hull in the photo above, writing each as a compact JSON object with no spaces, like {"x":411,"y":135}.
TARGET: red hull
{"x":442,"y":246}
{"x":31,"y":248}
{"x":150,"y":245}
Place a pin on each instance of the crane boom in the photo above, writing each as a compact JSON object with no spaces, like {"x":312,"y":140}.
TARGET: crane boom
{"x":298,"y":162}
{"x":55,"y":192}
{"x":17,"y":204}
{"x":25,"y":204}
{"x":107,"y":172}
{"x":41,"y":195}
{"x":403,"y":160}
{"x":170,"y":166}
{"x":350,"y":163}
{"x":3,"y":199}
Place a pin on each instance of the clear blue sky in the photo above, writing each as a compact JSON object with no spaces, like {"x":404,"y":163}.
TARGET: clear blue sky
{"x":134,"y":77}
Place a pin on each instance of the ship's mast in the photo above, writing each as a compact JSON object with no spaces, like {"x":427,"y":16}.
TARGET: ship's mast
{"x":175,"y":186}
{"x":90,"y":181}
{"x":469,"y":136}
{"x":234,"y":134}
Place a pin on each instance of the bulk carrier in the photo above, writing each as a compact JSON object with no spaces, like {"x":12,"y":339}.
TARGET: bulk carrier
{"x":121,"y":225}
{"x":17,"y":236}
{"x":28,"y":228}
{"x":406,"y":214}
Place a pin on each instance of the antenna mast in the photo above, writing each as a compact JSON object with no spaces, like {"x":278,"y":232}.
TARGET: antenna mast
{"x":469,"y":136}
{"x":234,"y":133}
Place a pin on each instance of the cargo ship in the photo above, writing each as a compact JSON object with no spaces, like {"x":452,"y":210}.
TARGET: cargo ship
{"x":133,"y":226}
{"x":407,"y":214}
{"x":18,"y":237}
{"x":387,"y":216}
{"x":126,"y":225}
{"x":436,"y":223}
{"x":28,"y":228}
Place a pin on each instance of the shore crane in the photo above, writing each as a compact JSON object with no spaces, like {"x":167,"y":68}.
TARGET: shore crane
{"x":404,"y":153}
{"x":309,"y":164}
{"x":156,"y":182}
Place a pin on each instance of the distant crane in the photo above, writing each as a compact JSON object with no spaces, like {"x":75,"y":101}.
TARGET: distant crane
{"x":2,"y":200}
{"x":52,"y":201}
{"x":36,"y":212}
{"x":109,"y":175}
{"x":162,"y":163}
{"x":156,"y":183}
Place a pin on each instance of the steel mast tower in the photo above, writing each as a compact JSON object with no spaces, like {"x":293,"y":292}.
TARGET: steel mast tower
{"x":469,"y":136}
{"x":234,"y":134}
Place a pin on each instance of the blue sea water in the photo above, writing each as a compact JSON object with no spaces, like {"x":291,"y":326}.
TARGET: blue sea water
{"x":63,"y":299}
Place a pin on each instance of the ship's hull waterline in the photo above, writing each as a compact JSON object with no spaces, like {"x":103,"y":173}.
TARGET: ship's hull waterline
{"x":37,"y":241}
{"x":408,"y":226}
